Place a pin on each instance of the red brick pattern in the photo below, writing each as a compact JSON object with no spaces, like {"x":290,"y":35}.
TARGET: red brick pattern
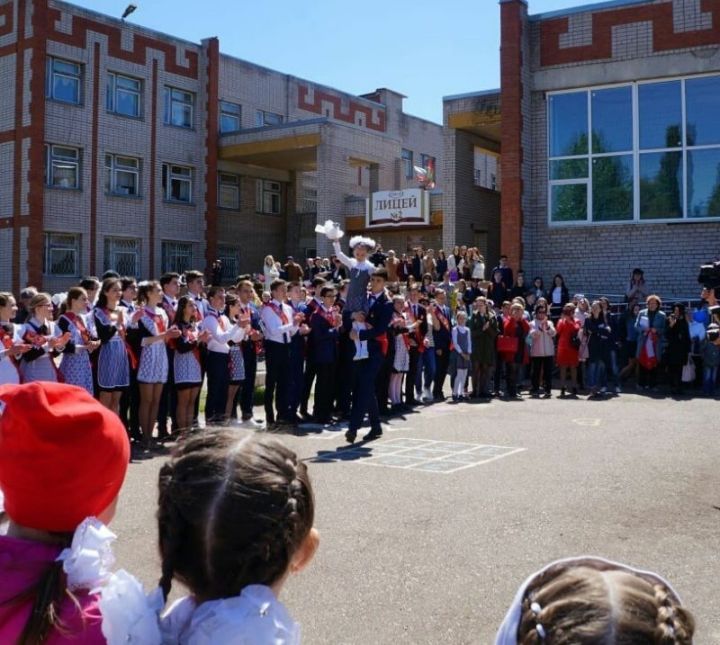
{"x":664,"y":36}
{"x":141,"y":43}
{"x":319,"y":97}
{"x":211,"y":150}
{"x":17,"y":148}
{"x":511,"y":62}
{"x":94,"y":158}
{"x":153,"y":165}
{"x":6,"y":10}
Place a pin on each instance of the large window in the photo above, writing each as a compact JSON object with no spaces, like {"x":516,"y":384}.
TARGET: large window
{"x":62,"y":167}
{"x":228,"y":191}
{"x":407,"y":163}
{"x":122,"y":254}
{"x":229,"y":116}
{"x":268,"y":197}
{"x":62,"y":254}
{"x":176,"y":257}
{"x":230,"y":258}
{"x":122,"y":175}
{"x":645,"y":151}
{"x":177,"y":183}
{"x":64,"y":81}
{"x":179,"y":107}
{"x":263,"y":118}
{"x":124,"y":95}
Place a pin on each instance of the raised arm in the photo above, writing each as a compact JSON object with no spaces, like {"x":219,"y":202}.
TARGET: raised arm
{"x":348,"y":262}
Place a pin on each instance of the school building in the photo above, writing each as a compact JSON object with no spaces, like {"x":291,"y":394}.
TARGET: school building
{"x":609,"y":141}
{"x":122,"y":148}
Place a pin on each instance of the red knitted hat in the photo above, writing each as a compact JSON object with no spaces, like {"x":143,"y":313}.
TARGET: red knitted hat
{"x":63,"y":456}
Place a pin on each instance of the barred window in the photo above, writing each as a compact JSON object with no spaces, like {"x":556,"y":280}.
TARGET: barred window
{"x":62,"y":254}
{"x":176,"y":256}
{"x":122,"y":254}
{"x":230,"y":258}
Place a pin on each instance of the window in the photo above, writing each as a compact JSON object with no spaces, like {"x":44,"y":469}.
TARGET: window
{"x":62,"y":254}
{"x":62,"y":169}
{"x":124,"y":95}
{"x":177,"y":183}
{"x":486,"y":171}
{"x":229,"y":117}
{"x":228,"y":191}
{"x":407,"y":164}
{"x":263,"y":119}
{"x":179,"y":107}
{"x":268,"y":197}
{"x":648,"y":151}
{"x":122,"y":255}
{"x":230,"y":258}
{"x":64,"y":81}
{"x":122,"y":175}
{"x":176,"y":257}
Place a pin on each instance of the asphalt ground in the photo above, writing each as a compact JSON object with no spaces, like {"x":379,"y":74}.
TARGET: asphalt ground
{"x":415,"y":552}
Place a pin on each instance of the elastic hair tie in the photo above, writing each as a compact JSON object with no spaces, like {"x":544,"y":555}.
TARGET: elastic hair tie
{"x":541,"y":631}
{"x":535,"y":608}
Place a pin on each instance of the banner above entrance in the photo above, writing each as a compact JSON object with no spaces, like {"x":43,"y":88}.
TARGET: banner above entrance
{"x":398,"y":208}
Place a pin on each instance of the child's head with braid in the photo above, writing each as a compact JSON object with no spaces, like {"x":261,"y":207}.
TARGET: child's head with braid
{"x":594,"y":601}
{"x":233,"y":512}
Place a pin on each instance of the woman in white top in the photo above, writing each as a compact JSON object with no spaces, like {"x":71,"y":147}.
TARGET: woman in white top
{"x":10,"y":344}
{"x":39,"y":331}
{"x":270,"y":270}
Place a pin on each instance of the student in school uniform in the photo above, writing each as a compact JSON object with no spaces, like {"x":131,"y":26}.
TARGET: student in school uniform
{"x":115,"y":355}
{"x":237,"y":362}
{"x":280,"y":324}
{"x":38,"y":363}
{"x":325,"y":324}
{"x":299,"y":348}
{"x":365,"y":371}
{"x":11,"y":347}
{"x":442,"y":338}
{"x":312,"y":305}
{"x":75,"y":365}
{"x":220,"y":331}
{"x":170,"y":285}
{"x":250,"y":346}
{"x":155,"y":332}
{"x":187,"y":367}
{"x":416,"y":314}
{"x":195,"y":283}
{"x":92,"y":288}
{"x":130,"y":398}
{"x":346,"y":351}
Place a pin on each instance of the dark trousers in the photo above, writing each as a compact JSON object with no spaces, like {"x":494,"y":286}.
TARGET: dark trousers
{"x":297,"y":383}
{"x":277,"y":379}
{"x":411,"y":377}
{"x":130,"y":406}
{"x":511,"y":377}
{"x":364,"y":400}
{"x":647,"y":378}
{"x":168,"y":398}
{"x":343,"y":384}
{"x":442,"y":362}
{"x":481,"y":376}
{"x":322,"y":410}
{"x":218,"y":379}
{"x":499,"y":373}
{"x":382,"y":385}
{"x":247,"y":389}
{"x":542,"y":364}
{"x":307,"y":385}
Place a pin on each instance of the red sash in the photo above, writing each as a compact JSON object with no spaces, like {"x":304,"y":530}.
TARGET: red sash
{"x":190,"y":334}
{"x":36,"y":339}
{"x":158,"y":320}
{"x":445,"y":323}
{"x":122,"y":332}
{"x":327,"y":315}
{"x":279,"y":311}
{"x":80,"y":324}
{"x":220,"y":321}
{"x":5,"y":339}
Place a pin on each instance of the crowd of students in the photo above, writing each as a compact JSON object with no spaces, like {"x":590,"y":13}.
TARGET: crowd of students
{"x":340,"y":346}
{"x":235,"y":520}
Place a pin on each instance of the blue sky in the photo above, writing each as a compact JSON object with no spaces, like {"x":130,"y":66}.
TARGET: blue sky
{"x":424,"y":49}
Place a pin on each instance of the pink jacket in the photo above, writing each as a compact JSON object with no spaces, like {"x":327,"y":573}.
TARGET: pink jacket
{"x":22,"y":563}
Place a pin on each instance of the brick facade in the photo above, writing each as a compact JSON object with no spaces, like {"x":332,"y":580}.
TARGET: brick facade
{"x":610,"y":43}
{"x":360,"y":149}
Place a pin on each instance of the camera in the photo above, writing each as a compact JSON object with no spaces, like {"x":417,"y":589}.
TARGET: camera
{"x":710,"y":275}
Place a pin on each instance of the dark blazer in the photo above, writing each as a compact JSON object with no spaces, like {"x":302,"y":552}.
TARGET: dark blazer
{"x":422,"y":328}
{"x":443,"y":337}
{"x":378,"y":318}
{"x":324,"y":339}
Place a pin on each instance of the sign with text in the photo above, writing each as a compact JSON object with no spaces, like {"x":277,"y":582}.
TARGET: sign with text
{"x":398,"y":208}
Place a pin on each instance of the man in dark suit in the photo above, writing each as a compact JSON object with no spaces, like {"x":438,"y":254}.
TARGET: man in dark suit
{"x":311,"y":307}
{"x":246,"y":392}
{"x":365,"y":371}
{"x":442,"y":337}
{"x":324,"y":325}
{"x":417,"y":313}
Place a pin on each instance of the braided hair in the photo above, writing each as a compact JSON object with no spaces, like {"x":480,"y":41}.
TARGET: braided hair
{"x":232,"y":512}
{"x":590,"y":602}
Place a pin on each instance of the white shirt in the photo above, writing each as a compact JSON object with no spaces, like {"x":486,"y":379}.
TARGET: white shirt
{"x":255,"y":617}
{"x":275,"y":330}
{"x":221,"y":331}
{"x":557,"y":295}
{"x":352,"y":263}
{"x":200,"y":303}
